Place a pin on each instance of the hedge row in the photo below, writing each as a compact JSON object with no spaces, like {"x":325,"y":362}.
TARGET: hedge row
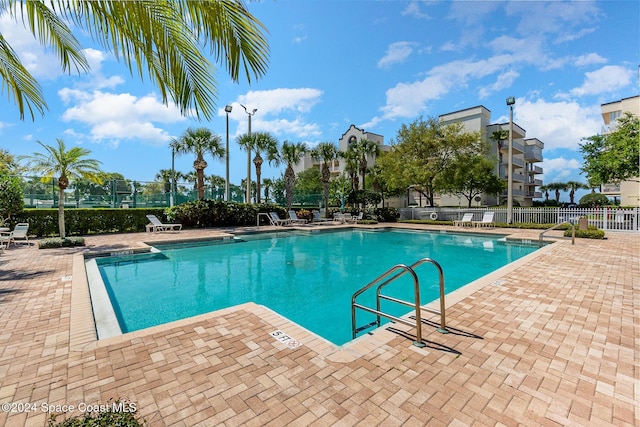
{"x":44,"y":222}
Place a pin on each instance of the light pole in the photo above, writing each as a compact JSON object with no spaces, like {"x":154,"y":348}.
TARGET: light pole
{"x":249,"y":153}
{"x":227,"y":110}
{"x":510,"y":101}
{"x":172,"y":184}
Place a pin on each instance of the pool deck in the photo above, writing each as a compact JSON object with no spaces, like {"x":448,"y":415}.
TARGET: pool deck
{"x":550,"y":340}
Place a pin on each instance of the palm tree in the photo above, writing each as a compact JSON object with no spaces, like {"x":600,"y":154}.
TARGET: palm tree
{"x":573,"y":186}
{"x":217,"y":185}
{"x":365,"y":148}
{"x":498,"y":136}
{"x":325,"y":152}
{"x":260,"y":143}
{"x":167,"y":37}
{"x":268,"y":183}
{"x":351,"y":159}
{"x":291,"y":155}
{"x":199,"y":141}
{"x":557,"y":187}
{"x":67,"y":164}
{"x":545,"y":189}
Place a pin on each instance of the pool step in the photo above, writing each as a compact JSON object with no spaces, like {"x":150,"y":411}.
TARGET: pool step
{"x":367,"y":326}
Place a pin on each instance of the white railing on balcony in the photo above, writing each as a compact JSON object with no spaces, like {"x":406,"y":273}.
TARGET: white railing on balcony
{"x":608,"y":219}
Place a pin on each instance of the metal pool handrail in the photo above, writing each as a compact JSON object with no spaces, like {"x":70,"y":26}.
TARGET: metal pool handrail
{"x":573,"y":232}
{"x":416,"y":304}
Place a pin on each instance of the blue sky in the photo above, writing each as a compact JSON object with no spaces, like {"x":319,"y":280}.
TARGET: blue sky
{"x":375,"y":64}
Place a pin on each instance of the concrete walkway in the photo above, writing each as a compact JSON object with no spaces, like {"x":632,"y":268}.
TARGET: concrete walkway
{"x":553,"y":340}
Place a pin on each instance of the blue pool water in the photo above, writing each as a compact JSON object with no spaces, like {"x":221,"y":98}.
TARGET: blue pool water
{"x":308,"y":278}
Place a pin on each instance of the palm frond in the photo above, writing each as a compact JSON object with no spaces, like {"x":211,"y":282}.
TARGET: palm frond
{"x":20,"y":84}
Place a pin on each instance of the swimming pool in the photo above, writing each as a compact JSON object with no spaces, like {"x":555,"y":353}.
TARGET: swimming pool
{"x":306,"y":277}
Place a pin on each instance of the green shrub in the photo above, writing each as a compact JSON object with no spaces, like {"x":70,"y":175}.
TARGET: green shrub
{"x":11,"y":197}
{"x":57,"y":242}
{"x":215,"y":213}
{"x":109,"y":417}
{"x":386,"y":214}
{"x":593,"y":200}
{"x":44,"y":222}
{"x":591,"y":233}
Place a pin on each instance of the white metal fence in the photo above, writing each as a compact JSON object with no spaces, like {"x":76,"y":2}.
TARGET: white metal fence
{"x":607,"y":218}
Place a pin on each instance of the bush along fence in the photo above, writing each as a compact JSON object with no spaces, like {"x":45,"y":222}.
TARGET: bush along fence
{"x":605,"y":218}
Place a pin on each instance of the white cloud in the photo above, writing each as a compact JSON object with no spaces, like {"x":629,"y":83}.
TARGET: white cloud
{"x":287,"y":107}
{"x":504,"y":81}
{"x":605,"y":80}
{"x":588,"y":59}
{"x":40,"y":63}
{"x":397,"y":53}
{"x":560,"y":169}
{"x":413,"y":9}
{"x":119,"y":116}
{"x":557,"y":124}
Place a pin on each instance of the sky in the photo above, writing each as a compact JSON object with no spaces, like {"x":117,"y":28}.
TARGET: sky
{"x":375,"y":64}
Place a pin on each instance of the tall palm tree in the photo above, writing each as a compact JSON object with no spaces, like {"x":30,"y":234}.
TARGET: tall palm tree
{"x":268,"y":183}
{"x":260,"y":143}
{"x":351,"y":165}
{"x":217,"y":184}
{"x":573,"y":186}
{"x":199,"y":141}
{"x":498,"y":136}
{"x":366,"y":148}
{"x":291,"y":155}
{"x":67,"y":164}
{"x":545,"y":189}
{"x":325,"y":152}
{"x":557,"y":187}
{"x":168,"y":38}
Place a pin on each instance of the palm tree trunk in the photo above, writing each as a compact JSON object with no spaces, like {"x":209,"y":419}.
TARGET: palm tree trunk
{"x":325,"y":187}
{"x":289,"y":182}
{"x":61,"y":212}
{"x":257,"y":161}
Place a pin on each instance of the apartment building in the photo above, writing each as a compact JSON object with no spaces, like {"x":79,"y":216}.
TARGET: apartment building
{"x":527,"y":154}
{"x":352,"y":135}
{"x":627,"y":192}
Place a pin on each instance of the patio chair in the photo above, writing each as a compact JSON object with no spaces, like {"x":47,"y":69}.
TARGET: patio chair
{"x":275,"y":219}
{"x":318,"y":220}
{"x":19,"y":233}
{"x":157,"y":225}
{"x":467,"y":219}
{"x":353,"y":218}
{"x":294,"y":218}
{"x":486,"y":221}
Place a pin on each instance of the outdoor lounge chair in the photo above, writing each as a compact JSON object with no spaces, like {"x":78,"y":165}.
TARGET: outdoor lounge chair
{"x":353,"y":219}
{"x":318,"y":220}
{"x":467,"y":219}
{"x":275,"y":219}
{"x":18,"y":233}
{"x":156,"y":225}
{"x":294,"y":218}
{"x":486,"y":221}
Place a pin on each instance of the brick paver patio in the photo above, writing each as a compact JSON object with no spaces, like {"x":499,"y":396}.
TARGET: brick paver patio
{"x":551,"y":341}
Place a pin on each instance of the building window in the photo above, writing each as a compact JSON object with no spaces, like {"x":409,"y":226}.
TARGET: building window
{"x":614,"y":115}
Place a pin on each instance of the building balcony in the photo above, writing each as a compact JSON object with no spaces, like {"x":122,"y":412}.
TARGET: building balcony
{"x":533,"y":170}
{"x":533,"y":153}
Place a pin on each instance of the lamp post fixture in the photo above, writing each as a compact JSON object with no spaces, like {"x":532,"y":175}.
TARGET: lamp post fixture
{"x":250,"y":114}
{"x":510,"y":102}
{"x":172,"y":184}
{"x":227,"y":110}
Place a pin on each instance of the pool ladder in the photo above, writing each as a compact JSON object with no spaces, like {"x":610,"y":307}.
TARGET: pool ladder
{"x":382,"y":281}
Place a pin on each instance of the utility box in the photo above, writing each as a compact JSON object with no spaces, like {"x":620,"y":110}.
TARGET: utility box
{"x":583,"y":223}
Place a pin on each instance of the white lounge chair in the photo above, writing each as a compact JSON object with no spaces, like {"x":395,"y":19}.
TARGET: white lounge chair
{"x":275,"y":219}
{"x":318,"y":220}
{"x":353,"y":218}
{"x":156,"y":225}
{"x":19,"y":232}
{"x":486,"y":221}
{"x":467,"y":219}
{"x":294,"y":218}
